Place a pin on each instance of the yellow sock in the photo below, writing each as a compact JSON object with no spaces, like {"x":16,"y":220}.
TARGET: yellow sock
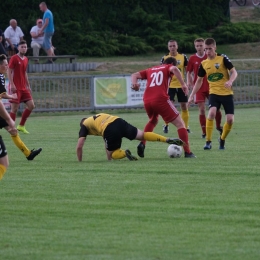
{"x":118,"y":154}
{"x":2,"y":171}
{"x":19,"y":143}
{"x":226,"y":129}
{"x":150,"y":136}
{"x":209,"y":129}
{"x":185,"y":117}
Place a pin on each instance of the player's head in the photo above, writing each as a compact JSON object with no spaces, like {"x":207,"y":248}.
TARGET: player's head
{"x":210,"y":47}
{"x":170,"y":60}
{"x":199,"y":45}
{"x":22,"y":47}
{"x":172,"y":47}
{"x":3,"y":63}
{"x":82,"y":120}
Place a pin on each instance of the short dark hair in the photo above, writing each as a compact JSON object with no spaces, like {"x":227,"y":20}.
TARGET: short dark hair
{"x":210,"y":41}
{"x":170,"y":60}
{"x":22,"y":42}
{"x":2,"y":58}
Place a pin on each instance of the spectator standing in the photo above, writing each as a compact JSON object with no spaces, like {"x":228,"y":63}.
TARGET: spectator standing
{"x":48,"y":29}
{"x":19,"y":83}
{"x":37,"y":38}
{"x":13,"y":35}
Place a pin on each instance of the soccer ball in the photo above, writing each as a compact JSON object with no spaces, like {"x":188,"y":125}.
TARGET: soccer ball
{"x":174,"y":151}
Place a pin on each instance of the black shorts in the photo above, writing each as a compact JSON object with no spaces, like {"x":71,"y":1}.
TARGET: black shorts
{"x":3,"y":123}
{"x":226,"y":101}
{"x":3,"y":151}
{"x":180,"y":95}
{"x":115,"y":131}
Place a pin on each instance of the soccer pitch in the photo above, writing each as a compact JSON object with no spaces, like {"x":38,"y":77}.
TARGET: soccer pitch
{"x":155,"y":208}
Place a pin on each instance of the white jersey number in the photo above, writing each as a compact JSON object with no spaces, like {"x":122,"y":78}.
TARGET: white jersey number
{"x":157,"y":79}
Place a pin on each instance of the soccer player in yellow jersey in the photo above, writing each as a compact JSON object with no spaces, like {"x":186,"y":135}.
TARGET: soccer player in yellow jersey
{"x":113,"y":129}
{"x":175,"y":87}
{"x":220,"y":74}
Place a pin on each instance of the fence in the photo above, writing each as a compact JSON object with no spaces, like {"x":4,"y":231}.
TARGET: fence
{"x":74,"y":93}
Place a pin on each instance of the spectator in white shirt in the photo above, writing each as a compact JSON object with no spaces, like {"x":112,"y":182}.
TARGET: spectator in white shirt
{"x":13,"y":35}
{"x":37,"y":38}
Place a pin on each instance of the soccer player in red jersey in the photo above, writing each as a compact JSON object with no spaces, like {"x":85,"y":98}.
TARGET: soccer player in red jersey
{"x":157,"y":101}
{"x":19,"y":84}
{"x":203,"y":93}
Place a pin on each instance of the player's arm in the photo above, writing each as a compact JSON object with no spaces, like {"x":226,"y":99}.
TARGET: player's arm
{"x":134,"y":78}
{"x":4,"y":114}
{"x":79,"y":148}
{"x":195,"y":89}
{"x":233,"y":73}
{"x":7,"y":96}
{"x":27,"y":81}
{"x":10,"y":77}
{"x":177,"y":73}
{"x":190,"y":79}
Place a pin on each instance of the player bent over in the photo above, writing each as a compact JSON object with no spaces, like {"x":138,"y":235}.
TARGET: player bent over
{"x":113,"y":129}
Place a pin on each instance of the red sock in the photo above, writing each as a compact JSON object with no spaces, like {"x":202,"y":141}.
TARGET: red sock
{"x":218,"y":118}
{"x":25,"y":115}
{"x":13,"y":115}
{"x":203,"y":123}
{"x":183,"y":135}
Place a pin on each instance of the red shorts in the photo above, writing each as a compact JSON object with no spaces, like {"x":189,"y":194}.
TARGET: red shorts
{"x":201,"y":96}
{"x":22,"y":96}
{"x":164,"y":108}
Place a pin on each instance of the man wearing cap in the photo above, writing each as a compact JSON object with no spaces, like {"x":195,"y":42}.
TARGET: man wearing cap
{"x":37,"y":38}
{"x":13,"y":35}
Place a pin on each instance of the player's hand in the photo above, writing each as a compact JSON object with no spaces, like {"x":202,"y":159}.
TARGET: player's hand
{"x":190,"y":101}
{"x":135,"y":86}
{"x":228,"y":84}
{"x":185,"y":89}
{"x":13,"y":88}
{"x":14,"y":96}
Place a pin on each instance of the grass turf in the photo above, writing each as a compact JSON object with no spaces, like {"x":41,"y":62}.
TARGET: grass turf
{"x":155,"y":208}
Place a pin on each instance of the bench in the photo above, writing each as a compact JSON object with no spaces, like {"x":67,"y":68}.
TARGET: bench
{"x":70,"y":57}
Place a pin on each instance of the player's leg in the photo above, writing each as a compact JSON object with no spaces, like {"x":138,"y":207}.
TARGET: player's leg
{"x":218,"y":119}
{"x":183,"y":100}
{"x":228,"y":105}
{"x":202,"y":118}
{"x":153,"y":120}
{"x":171,"y":92}
{"x":113,"y":140}
{"x":4,"y":161}
{"x":14,"y":109}
{"x":27,"y":98}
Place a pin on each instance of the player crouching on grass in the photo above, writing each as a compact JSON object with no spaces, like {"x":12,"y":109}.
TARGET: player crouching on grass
{"x":113,"y":129}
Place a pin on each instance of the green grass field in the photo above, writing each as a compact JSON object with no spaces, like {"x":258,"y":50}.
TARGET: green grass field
{"x":155,"y":208}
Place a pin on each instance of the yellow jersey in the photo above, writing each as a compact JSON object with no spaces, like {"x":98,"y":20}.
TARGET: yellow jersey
{"x":182,"y":62}
{"x":96,"y":125}
{"x":217,"y":71}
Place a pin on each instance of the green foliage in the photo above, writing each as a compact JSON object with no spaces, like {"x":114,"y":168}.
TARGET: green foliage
{"x":127,"y":27}
{"x":237,"y":33}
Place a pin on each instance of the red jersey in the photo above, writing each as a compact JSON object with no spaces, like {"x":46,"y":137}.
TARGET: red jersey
{"x":193,"y":66}
{"x":19,"y":66}
{"x":158,"y":80}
